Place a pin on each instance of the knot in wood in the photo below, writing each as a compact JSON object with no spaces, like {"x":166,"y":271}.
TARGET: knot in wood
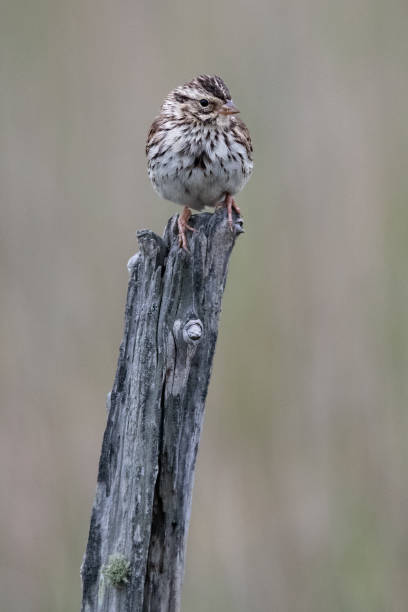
{"x":193,"y":330}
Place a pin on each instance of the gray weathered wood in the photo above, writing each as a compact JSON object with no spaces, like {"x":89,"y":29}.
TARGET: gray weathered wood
{"x":155,"y":412}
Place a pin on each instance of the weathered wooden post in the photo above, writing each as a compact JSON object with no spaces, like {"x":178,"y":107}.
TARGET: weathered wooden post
{"x":134,"y":559}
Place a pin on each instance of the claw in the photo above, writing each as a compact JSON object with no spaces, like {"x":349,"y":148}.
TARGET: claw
{"x":183,"y":226}
{"x":229,"y":202}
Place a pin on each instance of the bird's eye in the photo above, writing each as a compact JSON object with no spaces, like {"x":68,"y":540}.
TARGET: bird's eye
{"x":204,"y":102}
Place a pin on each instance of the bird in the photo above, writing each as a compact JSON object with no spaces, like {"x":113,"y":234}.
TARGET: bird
{"x":199,"y":153}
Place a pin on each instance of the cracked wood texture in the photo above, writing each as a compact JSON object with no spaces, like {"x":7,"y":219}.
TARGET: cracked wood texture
{"x":155,"y":414}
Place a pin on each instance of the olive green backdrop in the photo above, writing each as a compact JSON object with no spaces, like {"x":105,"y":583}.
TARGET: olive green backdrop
{"x":301,"y":496}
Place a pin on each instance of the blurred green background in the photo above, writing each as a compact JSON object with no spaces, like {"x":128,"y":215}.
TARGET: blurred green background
{"x":301,"y":495}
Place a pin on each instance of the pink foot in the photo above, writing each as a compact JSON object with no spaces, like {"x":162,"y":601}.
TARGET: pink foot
{"x":229,"y":202}
{"x":182,"y":224}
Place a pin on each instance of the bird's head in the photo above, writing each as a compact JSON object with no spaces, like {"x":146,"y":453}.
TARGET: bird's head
{"x":205,"y":99}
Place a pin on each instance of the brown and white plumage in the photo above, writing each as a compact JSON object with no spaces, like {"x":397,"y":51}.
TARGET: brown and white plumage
{"x":199,"y":152}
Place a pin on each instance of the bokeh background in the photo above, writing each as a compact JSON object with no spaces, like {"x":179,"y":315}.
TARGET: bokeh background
{"x":301,"y":495}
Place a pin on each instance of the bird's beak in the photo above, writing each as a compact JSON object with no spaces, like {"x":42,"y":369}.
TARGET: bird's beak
{"x":228,"y":108}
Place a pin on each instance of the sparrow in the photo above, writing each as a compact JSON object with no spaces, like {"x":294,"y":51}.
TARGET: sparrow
{"x":199,"y":152}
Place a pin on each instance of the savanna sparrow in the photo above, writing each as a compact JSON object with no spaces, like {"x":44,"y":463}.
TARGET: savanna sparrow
{"x":199,"y":152}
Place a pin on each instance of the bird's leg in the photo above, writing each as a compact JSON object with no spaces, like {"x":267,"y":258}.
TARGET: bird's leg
{"x":229,"y":202}
{"x":183,"y":226}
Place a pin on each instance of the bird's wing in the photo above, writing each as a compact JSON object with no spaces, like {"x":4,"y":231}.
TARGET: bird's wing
{"x":243,"y":137}
{"x":152,"y":133}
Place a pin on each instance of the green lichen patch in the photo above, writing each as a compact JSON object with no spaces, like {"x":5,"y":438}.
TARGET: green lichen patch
{"x":117,"y":570}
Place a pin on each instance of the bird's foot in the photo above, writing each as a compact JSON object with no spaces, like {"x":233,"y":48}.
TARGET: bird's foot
{"x":229,"y":203}
{"x":182,"y":224}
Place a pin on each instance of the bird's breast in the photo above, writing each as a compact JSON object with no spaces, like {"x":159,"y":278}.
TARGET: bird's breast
{"x":197,"y":167}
